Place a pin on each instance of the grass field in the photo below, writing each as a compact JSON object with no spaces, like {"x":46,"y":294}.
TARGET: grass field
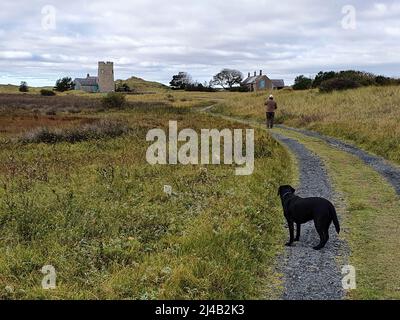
{"x":96,"y":211}
{"x":367,"y":116}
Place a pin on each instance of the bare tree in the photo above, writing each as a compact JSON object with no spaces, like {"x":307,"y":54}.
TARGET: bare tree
{"x":227,"y":78}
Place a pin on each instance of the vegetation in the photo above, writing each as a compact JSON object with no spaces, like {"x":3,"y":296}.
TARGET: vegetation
{"x":114,"y":100}
{"x":48,"y":93}
{"x":64,"y":84}
{"x":338,"y":84}
{"x":227,"y":79}
{"x":96,"y":211}
{"x":302,"y":83}
{"x":366,"y":116}
{"x":23,"y":87}
{"x":79,"y":195}
{"x":141,"y":86}
{"x":180,"y":81}
{"x":93,"y":131}
{"x":123,"y":87}
{"x":343,"y":80}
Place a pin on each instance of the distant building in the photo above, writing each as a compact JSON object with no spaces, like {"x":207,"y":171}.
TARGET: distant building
{"x":262,"y":82}
{"x":104,"y":82}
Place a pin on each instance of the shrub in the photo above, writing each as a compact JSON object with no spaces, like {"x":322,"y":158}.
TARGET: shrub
{"x":100,"y":130}
{"x":338,"y":84}
{"x":123,"y":88}
{"x":302,"y":83}
{"x":64,"y":84}
{"x":23,"y":87}
{"x":114,"y":100}
{"x":384,"y":81}
{"x":48,"y":93}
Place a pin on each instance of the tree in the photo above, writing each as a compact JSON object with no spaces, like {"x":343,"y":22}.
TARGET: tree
{"x":64,"y":84}
{"x":227,"y":78}
{"x":23,"y":87}
{"x":323,"y":76}
{"x":302,"y":83}
{"x":180,"y":80}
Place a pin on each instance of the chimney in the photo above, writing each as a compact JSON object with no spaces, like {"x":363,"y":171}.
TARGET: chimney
{"x":249,"y":75}
{"x":260,"y":72}
{"x":88,"y":75}
{"x":255,"y":73}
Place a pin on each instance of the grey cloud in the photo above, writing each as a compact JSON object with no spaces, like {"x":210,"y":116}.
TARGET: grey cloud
{"x":154,"y":39}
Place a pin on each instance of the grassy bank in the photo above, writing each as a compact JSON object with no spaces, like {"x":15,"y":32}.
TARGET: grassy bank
{"x":365,"y":116}
{"x":96,"y":211}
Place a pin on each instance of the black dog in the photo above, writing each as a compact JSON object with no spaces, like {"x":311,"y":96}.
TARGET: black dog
{"x":301,"y":210}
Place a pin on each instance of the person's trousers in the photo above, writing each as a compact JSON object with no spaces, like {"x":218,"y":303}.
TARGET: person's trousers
{"x":270,"y":119}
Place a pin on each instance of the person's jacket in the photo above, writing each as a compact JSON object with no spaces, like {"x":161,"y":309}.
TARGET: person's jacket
{"x":271,"y":105}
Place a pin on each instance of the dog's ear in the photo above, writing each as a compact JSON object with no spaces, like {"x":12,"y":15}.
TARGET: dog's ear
{"x":292,"y":189}
{"x":279,"y":191}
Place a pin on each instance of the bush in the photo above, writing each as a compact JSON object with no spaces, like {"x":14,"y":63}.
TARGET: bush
{"x":385,"y":81}
{"x":123,"y":88}
{"x":23,"y":87}
{"x":338,"y":84}
{"x":99,"y":130}
{"x":64,"y":84}
{"x":48,"y":93}
{"x":114,"y":100}
{"x":198,"y":87}
{"x":239,"y":89}
{"x":302,"y":83}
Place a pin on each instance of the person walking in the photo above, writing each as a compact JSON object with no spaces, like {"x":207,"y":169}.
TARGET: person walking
{"x":271,"y":107}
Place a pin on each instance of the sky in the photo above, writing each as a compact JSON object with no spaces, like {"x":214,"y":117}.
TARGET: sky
{"x":41,"y":41}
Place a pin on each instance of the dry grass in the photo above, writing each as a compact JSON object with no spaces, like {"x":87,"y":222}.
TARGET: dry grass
{"x":101,"y":129}
{"x":96,"y":211}
{"x":367,"y":116}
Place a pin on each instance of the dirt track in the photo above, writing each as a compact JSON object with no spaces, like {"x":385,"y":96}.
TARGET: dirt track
{"x":310,"y":274}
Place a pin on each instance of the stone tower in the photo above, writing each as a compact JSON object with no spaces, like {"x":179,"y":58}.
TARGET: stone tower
{"x":106,"y":77}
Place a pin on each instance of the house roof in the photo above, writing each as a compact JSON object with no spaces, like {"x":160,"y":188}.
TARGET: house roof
{"x":89,"y":81}
{"x":252,"y":79}
{"x":278,"y":82}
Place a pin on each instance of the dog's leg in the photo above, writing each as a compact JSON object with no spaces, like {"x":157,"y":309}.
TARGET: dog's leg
{"x":291,"y":232}
{"x":298,"y":232}
{"x":324,"y":237}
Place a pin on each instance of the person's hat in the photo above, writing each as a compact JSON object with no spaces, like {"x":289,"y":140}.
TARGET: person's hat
{"x":271,"y":96}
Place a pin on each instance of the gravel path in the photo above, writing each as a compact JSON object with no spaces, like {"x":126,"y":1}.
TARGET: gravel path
{"x":382,"y":166}
{"x":310,"y":274}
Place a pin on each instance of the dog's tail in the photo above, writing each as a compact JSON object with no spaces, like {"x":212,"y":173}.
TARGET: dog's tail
{"x":335,"y":219}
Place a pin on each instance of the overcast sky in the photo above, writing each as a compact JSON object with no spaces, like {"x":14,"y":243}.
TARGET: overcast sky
{"x":41,"y":41}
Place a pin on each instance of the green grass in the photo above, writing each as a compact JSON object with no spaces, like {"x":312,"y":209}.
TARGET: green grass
{"x":142,"y":86}
{"x":96,"y":211}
